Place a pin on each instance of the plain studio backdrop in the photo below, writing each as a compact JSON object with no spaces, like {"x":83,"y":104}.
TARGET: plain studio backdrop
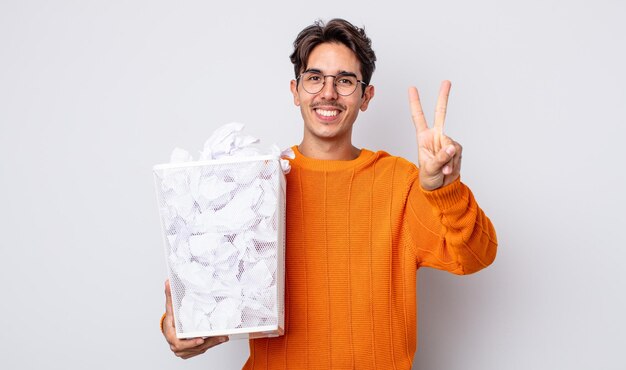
{"x":94,"y":93}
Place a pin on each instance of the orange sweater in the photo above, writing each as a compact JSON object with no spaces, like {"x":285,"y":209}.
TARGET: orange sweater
{"x":357,"y":231}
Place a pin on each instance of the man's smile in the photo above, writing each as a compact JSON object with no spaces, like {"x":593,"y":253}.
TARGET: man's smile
{"x":327,"y":112}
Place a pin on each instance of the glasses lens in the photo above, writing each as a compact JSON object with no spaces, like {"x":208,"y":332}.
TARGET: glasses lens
{"x":345,"y":85}
{"x":312,"y":82}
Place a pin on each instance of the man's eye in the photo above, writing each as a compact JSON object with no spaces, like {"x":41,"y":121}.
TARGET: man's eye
{"x":345,"y":81}
{"x":314,"y":78}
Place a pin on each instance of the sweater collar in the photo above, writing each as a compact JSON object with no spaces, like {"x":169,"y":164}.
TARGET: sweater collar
{"x":330,"y":165}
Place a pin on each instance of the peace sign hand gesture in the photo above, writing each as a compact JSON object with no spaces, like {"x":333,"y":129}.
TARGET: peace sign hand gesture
{"x":439,"y":156}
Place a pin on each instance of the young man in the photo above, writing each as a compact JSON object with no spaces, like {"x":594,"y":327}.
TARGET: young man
{"x":360,"y":223}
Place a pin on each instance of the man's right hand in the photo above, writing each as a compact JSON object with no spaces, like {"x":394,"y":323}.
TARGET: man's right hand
{"x":184,"y":348}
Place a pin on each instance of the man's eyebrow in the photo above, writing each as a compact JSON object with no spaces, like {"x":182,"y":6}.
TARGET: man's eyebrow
{"x":341,"y":73}
{"x":346,"y":73}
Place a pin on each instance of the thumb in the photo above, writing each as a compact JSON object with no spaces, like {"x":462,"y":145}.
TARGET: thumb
{"x":168,"y":298}
{"x":442,"y":157}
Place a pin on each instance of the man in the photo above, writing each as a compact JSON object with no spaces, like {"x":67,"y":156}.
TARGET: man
{"x":359,"y":223}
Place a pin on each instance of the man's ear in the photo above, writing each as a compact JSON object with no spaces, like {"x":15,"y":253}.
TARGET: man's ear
{"x":368,"y":95}
{"x":294,"y":90}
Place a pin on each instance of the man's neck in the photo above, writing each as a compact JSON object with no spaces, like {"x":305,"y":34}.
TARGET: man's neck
{"x":329,"y":151}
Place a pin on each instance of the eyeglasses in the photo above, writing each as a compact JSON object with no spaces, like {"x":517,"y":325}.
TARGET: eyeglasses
{"x":345,"y":83}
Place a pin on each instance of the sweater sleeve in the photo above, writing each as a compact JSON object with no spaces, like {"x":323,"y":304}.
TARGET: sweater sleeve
{"x":448,"y":229}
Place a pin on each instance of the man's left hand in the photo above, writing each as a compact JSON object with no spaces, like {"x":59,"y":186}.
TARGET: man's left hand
{"x":439,"y":156}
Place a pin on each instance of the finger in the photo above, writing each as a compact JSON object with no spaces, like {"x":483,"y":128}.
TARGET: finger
{"x":169,"y":329}
{"x":448,"y":167}
{"x":212,"y":342}
{"x":188,"y":352}
{"x":185,"y":345}
{"x":417,"y":113}
{"x":447,"y":145}
{"x":453,"y":167}
{"x":444,"y":157}
{"x":442,"y":106}
{"x":168,"y":298}
{"x":457,"y":159}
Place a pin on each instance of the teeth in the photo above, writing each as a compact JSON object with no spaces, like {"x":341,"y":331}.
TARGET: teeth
{"x":327,"y":113}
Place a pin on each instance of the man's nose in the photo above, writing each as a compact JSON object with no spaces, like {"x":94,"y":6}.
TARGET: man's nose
{"x":328,"y":90}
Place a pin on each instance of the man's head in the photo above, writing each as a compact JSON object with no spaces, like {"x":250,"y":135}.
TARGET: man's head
{"x":331,"y":61}
{"x":335,"y":31}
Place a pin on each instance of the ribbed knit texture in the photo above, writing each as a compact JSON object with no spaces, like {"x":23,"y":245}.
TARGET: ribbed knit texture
{"x":357,"y":231}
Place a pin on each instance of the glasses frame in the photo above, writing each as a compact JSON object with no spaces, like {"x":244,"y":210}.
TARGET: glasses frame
{"x":341,"y":74}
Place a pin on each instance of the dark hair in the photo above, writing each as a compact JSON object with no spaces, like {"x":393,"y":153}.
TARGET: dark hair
{"x":336,"y":30}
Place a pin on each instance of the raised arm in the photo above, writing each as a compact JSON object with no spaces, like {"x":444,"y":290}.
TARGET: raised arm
{"x":449,"y":229}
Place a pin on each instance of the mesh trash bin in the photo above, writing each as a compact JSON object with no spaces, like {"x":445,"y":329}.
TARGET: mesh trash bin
{"x":223,"y":224}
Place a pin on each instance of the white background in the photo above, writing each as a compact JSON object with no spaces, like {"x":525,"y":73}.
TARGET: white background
{"x":93,"y":93}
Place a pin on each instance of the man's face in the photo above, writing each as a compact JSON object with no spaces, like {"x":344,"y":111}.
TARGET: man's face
{"x":328,"y":115}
